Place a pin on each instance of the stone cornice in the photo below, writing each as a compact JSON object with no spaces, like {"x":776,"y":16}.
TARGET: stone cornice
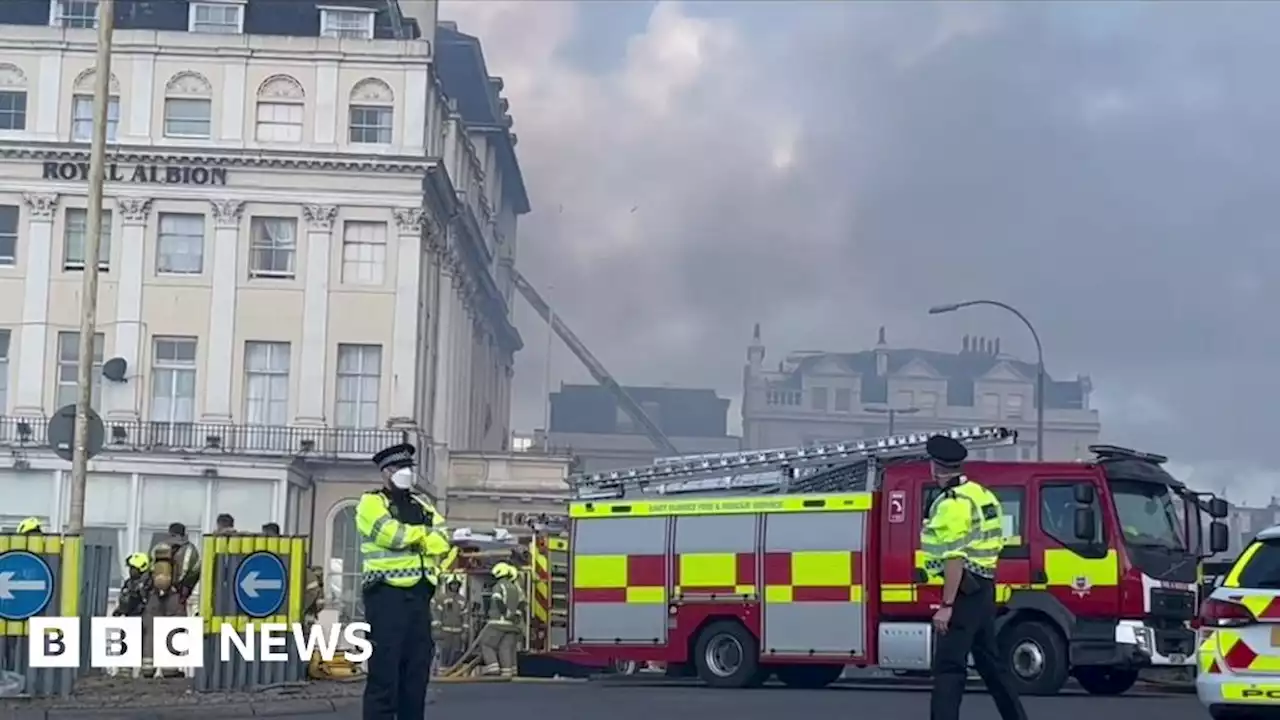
{"x":317,"y":161}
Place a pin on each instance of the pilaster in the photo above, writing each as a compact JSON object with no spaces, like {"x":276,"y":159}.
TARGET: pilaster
{"x":220,"y":356}
{"x":34,"y":345}
{"x":123,"y":402}
{"x":315,"y":314}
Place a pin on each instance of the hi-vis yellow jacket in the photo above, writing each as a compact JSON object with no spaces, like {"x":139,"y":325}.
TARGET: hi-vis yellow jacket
{"x":397,"y":553}
{"x":964,"y":522}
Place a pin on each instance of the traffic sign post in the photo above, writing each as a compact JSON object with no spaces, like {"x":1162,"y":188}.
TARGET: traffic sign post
{"x":249,"y":582}
{"x":260,"y":585}
{"x":44,"y":576}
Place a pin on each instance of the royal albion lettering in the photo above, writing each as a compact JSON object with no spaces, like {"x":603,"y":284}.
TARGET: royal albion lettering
{"x":141,"y":174}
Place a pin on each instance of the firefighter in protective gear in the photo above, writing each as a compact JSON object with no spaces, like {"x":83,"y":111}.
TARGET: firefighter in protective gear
{"x":175,"y":571}
{"x":403,"y":542}
{"x":313,"y":595}
{"x":500,"y":639}
{"x":30,"y":526}
{"x":961,"y":542}
{"x":449,"y":622}
{"x":137,"y":587}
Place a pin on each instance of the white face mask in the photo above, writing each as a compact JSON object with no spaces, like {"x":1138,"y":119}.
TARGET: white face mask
{"x":402,"y":478}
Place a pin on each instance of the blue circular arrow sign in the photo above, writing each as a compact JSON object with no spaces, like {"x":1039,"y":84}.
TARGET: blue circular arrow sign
{"x":261,"y":585}
{"x":26,"y":585}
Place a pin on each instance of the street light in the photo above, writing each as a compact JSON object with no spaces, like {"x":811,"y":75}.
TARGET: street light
{"x":1040,"y":377}
{"x":893,"y":413}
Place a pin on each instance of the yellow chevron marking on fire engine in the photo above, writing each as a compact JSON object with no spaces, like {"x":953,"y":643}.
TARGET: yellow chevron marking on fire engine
{"x":646,"y":595}
{"x":708,"y":570}
{"x":895,"y":593}
{"x":1064,"y":567}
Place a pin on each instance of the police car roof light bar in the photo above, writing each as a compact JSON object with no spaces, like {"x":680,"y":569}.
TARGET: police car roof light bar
{"x":616,"y":483}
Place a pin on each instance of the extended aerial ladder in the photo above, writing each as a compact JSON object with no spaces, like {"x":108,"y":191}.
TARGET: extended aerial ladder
{"x":828,"y":467}
{"x":602,"y":376}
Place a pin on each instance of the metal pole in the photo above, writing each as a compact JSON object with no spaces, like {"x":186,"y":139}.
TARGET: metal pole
{"x":1040,"y":374}
{"x":92,"y":243}
{"x":893,"y":414}
{"x":546,"y":379}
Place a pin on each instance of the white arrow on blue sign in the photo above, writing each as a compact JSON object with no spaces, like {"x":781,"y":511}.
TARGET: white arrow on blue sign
{"x":260,"y":585}
{"x":26,"y":585}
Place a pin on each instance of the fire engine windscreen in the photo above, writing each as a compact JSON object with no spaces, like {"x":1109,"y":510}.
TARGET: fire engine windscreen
{"x":1150,"y":515}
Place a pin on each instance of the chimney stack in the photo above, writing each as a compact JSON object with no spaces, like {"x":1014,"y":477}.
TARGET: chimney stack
{"x":996,"y":350}
{"x":965,"y":345}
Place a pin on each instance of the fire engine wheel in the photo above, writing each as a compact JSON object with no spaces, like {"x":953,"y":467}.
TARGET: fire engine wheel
{"x":1105,"y":680}
{"x":1037,"y":656}
{"x":727,"y":656}
{"x":809,"y":677}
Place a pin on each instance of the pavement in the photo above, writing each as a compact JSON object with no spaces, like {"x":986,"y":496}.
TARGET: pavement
{"x":633,"y":700}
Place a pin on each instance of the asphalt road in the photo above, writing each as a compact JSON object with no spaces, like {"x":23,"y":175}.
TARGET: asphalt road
{"x":603,"y":701}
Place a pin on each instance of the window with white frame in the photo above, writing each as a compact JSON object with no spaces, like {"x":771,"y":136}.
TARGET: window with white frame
{"x":216,"y":18}
{"x":281,"y":107}
{"x":75,"y":236}
{"x":371,"y":113}
{"x":74,"y":13}
{"x":173,"y":380}
{"x":5,"y":336}
{"x":273,"y":247}
{"x":342,"y":579}
{"x":266,"y":383}
{"x":82,"y":118}
{"x":1013,"y":406}
{"x":9,"y":215}
{"x":346,"y":23}
{"x":359,"y":381}
{"x":250,"y":502}
{"x":180,"y":244}
{"x":166,"y":500}
{"x":188,"y":107}
{"x":364,"y":252}
{"x":67,"y":372}
{"x":279,"y":122}
{"x":13,"y":109}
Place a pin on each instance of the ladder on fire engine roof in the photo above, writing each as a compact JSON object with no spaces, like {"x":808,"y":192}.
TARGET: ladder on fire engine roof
{"x":812,"y":468}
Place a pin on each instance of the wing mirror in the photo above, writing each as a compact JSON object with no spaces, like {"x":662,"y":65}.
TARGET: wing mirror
{"x":1084,"y":494}
{"x":1219,"y":541}
{"x":1086,"y":521}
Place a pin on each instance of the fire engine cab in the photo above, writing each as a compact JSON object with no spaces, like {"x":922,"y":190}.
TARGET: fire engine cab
{"x":797,"y":563}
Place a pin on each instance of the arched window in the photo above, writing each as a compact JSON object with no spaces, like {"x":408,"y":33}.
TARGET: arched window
{"x":188,"y":106}
{"x":342,"y":562}
{"x":372,"y":113}
{"x":13,"y":98}
{"x":280,"y":110}
{"x":82,"y":107}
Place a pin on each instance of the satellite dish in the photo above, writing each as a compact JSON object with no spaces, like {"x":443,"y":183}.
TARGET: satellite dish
{"x":62,"y":432}
{"x":115,"y":369}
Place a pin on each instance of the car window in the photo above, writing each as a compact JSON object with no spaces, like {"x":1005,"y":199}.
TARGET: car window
{"x":1258,"y":568}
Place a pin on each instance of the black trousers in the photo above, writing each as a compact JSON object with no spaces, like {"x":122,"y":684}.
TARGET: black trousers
{"x":972,"y":631}
{"x":400,"y":629}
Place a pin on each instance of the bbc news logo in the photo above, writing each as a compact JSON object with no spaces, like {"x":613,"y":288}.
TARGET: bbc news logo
{"x":178,"y":642}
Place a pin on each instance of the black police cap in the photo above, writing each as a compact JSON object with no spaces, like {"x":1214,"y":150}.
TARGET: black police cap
{"x":947,"y":452}
{"x":395,"y":457}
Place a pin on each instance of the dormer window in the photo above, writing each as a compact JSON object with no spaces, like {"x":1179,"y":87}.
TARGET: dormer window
{"x":350,"y":23}
{"x":73,"y":13}
{"x":216,"y":18}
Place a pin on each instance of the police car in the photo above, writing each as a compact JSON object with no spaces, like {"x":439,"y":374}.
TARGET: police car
{"x":1239,"y":656}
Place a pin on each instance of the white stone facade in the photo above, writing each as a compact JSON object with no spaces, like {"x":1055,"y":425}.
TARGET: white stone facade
{"x":302,"y":262}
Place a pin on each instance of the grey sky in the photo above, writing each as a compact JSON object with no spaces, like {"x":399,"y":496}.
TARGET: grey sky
{"x":1111,"y":169}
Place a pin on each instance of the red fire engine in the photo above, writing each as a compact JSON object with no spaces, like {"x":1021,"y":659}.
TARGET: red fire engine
{"x":811,"y":566}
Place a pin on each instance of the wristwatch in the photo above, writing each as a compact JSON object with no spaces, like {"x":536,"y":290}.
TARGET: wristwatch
{"x":946,"y":604}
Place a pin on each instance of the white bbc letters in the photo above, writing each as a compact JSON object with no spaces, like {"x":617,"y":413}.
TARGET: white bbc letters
{"x":178,"y":642}
{"x":274,"y":638}
{"x":53,"y":642}
{"x":115,"y":642}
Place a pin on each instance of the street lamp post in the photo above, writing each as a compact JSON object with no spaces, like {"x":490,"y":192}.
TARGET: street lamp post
{"x":93,"y":241}
{"x":1040,"y":376}
{"x":893,"y":414}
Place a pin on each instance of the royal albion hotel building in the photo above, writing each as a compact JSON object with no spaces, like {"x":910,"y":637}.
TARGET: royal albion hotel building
{"x":305,"y":258}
